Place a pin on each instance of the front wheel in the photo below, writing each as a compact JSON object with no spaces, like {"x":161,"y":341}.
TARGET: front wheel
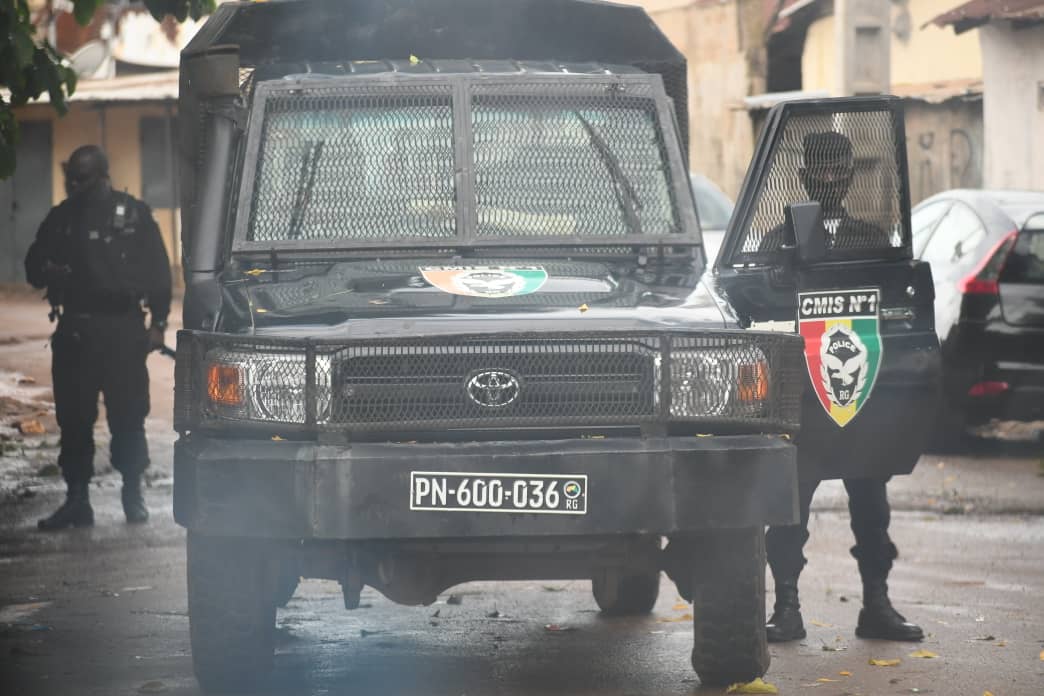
{"x":232,"y":612}
{"x":728,"y":593}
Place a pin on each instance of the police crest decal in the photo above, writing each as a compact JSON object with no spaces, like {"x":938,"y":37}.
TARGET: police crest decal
{"x":843,"y":347}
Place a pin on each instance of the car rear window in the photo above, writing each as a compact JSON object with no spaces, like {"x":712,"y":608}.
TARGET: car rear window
{"x":1025,"y":263}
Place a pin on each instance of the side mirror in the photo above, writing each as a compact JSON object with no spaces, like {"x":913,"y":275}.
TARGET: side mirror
{"x":804,"y":224}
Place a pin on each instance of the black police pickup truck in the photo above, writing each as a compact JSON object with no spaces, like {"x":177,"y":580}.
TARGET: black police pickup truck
{"x":448,"y":318}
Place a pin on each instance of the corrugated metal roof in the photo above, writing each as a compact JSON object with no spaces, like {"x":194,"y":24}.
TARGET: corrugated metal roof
{"x":158,"y":86}
{"x":977,"y":12}
{"x":939,"y":92}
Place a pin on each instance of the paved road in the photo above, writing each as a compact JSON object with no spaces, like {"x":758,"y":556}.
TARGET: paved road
{"x":103,"y":611}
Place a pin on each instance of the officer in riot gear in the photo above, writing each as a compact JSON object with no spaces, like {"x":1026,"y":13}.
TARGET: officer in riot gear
{"x":100,"y":256}
{"x":827,"y":177}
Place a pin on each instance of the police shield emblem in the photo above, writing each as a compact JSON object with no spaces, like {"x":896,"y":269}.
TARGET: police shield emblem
{"x":486,"y":281}
{"x":843,"y":348}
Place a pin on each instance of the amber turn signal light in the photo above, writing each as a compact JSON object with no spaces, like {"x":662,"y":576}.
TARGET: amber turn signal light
{"x":753,"y":382}
{"x":225,"y":384}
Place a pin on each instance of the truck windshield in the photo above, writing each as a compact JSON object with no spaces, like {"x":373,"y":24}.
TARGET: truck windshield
{"x":387,"y":170}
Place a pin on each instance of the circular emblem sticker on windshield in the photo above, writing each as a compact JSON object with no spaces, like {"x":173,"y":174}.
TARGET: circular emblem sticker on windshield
{"x":486,"y":281}
{"x":493,"y":388}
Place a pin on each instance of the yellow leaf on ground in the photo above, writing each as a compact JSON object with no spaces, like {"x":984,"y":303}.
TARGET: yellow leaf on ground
{"x":680,"y":606}
{"x":1042,"y":655}
{"x":1002,"y":643}
{"x":254,"y":272}
{"x":884,"y":663}
{"x":755,"y":687}
{"x":845,"y":673}
{"x":676,"y":619}
{"x":926,"y":654}
{"x":824,"y":680}
{"x":820,"y":624}
{"x":987,"y":693}
{"x":31,"y":427}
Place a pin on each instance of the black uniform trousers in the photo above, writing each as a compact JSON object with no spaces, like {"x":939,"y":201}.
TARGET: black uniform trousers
{"x":103,"y":353}
{"x":870,"y":513}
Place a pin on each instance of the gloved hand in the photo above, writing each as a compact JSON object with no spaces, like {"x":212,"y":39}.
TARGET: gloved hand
{"x":155,"y":338}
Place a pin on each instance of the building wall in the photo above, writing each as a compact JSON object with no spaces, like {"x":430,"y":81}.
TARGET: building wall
{"x":115,"y":127}
{"x":925,"y":56}
{"x":1013,"y":106}
{"x":722,"y":42}
{"x":944,"y":146}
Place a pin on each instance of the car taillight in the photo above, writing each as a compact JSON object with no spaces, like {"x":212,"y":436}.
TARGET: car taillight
{"x":988,"y":388}
{"x":983,"y":280}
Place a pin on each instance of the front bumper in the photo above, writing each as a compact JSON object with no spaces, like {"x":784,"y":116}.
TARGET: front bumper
{"x":304,"y":490}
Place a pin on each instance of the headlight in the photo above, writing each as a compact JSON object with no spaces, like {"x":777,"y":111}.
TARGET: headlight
{"x":265,"y":386}
{"x":717,"y":383}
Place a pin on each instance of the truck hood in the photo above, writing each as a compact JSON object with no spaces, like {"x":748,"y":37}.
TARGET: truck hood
{"x":356,"y":299}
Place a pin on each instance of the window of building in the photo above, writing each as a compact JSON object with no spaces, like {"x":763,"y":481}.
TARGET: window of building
{"x":158,"y":177}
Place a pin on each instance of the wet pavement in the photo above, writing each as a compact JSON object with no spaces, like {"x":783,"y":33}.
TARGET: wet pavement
{"x":103,"y":611}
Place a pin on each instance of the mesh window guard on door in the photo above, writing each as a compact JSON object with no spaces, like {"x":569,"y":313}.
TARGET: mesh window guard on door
{"x":847,"y":156}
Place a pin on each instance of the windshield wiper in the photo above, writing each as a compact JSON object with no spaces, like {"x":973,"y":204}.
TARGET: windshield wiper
{"x":626,"y":196}
{"x":305,"y":182}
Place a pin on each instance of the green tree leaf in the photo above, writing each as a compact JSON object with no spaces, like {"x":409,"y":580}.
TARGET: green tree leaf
{"x":29,"y":69}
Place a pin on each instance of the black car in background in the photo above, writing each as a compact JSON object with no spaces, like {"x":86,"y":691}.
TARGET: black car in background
{"x":986,"y":250}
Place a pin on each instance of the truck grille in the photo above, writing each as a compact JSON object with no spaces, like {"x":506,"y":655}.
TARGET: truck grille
{"x":501,"y":381}
{"x":532,"y":380}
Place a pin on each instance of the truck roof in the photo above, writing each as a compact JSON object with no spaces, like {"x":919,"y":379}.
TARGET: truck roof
{"x":428,"y":35}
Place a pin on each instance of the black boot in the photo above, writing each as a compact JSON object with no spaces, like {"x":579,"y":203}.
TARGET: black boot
{"x":133,"y":501}
{"x":785,"y":623}
{"x":879,"y":619}
{"x":75,"y":511}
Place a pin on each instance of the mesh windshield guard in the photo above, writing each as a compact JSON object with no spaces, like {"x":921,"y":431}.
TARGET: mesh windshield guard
{"x":847,"y":154}
{"x":435,"y":161}
{"x":738,"y":379}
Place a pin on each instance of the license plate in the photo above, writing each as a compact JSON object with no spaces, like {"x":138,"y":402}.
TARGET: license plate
{"x":552,"y":494}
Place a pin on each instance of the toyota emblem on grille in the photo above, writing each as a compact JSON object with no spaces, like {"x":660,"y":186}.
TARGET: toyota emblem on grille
{"x":493,"y":388}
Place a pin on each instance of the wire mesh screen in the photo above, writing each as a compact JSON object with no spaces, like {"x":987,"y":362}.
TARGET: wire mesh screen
{"x":498,"y":381}
{"x":848,"y":162}
{"x":567,"y":159}
{"x":355,"y":166}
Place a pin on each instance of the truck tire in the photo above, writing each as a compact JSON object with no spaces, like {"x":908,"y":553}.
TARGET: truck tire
{"x":626,"y":595}
{"x":231,"y":612}
{"x":729,"y":606}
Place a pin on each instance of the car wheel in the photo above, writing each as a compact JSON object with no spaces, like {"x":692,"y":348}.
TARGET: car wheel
{"x":626,"y":595}
{"x":728,"y":593}
{"x":231,"y":612}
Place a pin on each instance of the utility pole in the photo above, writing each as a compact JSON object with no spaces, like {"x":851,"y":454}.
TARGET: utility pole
{"x":863,"y":40}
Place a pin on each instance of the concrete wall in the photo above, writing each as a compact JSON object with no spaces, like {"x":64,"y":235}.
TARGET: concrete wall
{"x":1013,"y":106}
{"x":944,"y":146}
{"x":723,"y":42}
{"x":925,"y":56}
{"x":115,"y":127}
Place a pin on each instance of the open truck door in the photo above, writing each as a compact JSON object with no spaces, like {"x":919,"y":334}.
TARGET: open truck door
{"x":819,"y":244}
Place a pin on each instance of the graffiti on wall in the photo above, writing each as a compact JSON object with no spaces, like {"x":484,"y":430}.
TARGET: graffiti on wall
{"x":944,"y":147}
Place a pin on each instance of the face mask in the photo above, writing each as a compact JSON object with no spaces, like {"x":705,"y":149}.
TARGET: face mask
{"x":830,"y":194}
{"x":84,"y":188}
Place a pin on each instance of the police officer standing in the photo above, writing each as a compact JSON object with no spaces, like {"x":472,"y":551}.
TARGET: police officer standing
{"x":101,"y":258}
{"x":827,"y":176}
